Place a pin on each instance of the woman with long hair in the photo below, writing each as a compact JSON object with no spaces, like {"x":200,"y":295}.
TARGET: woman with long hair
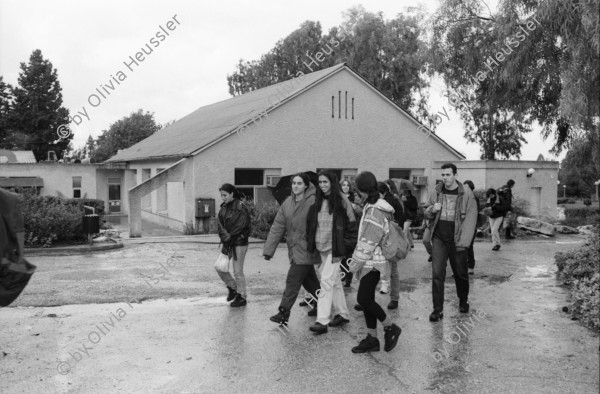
{"x":331,"y":230}
{"x":291,"y":221}
{"x":234,"y":230}
{"x":368,"y":262}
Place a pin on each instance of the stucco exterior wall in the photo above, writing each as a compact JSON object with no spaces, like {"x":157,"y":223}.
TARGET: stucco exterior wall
{"x":57,"y":177}
{"x":487,"y":174}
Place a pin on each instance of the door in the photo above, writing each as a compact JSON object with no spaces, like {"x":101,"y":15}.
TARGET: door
{"x":114,"y":195}
{"x":535,"y":199}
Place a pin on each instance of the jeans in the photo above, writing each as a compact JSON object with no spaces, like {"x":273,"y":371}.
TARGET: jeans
{"x":442,"y":251}
{"x":239,"y":283}
{"x":495,"y":224}
{"x":366,"y":298}
{"x":331,"y":296}
{"x":471,"y":254}
{"x":407,"y":225}
{"x":297,"y":276}
{"x":391,"y":274}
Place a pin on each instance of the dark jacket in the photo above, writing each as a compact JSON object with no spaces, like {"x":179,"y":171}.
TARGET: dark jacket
{"x":344,"y":232}
{"x":234,"y":225}
{"x":498,"y":205}
{"x":399,"y":215}
{"x":291,"y":222}
{"x":465,"y":220}
{"x":411,"y":207}
{"x":507,"y":195}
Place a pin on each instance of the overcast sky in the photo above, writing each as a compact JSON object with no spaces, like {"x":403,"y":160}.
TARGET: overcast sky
{"x":88,"y":43}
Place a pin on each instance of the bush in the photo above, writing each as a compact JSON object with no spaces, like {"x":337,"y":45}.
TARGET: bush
{"x":580,"y":270}
{"x":262,"y":218}
{"x":587,"y":202}
{"x":90,"y":202}
{"x":581,"y":212}
{"x":565,"y":201}
{"x":50,"y":219}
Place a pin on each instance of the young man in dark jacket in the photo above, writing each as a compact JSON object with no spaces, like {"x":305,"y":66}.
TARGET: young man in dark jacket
{"x":452,"y":214}
{"x":506,"y":190}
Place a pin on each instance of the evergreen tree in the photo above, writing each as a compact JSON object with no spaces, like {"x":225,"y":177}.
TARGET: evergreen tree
{"x":37,"y":109}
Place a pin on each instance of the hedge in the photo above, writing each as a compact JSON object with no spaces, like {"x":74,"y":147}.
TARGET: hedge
{"x":579,"y":269}
{"x":50,"y":219}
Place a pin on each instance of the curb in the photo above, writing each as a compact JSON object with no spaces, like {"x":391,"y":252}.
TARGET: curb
{"x":73,"y":250}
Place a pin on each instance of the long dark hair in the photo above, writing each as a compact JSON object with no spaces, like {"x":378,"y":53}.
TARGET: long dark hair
{"x":393,"y":188}
{"x":335,"y":194}
{"x":367,"y":183}
{"x":229,"y":188}
{"x":304,"y":177}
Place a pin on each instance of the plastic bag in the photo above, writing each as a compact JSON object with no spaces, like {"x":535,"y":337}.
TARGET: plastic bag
{"x":222,"y":263}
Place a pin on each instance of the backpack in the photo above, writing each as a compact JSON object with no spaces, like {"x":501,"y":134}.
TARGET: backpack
{"x":394,"y":245}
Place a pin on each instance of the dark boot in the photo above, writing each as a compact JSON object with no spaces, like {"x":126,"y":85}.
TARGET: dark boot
{"x":238,"y":301}
{"x":348,"y":279}
{"x":282,"y":317}
{"x":369,"y":344}
{"x":232,"y":294}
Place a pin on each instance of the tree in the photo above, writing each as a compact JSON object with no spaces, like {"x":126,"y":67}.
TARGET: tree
{"x":5,"y":107}
{"x":387,"y":54}
{"x":581,"y":166}
{"x":37,"y":112}
{"x":124,"y":133}
{"x":550,"y":75}
{"x":462,"y":45}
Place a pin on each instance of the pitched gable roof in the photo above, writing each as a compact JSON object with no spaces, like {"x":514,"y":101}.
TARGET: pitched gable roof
{"x":17,"y":156}
{"x":209,"y":124}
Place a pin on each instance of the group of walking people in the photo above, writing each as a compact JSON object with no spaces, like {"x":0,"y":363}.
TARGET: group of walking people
{"x":334,"y":233}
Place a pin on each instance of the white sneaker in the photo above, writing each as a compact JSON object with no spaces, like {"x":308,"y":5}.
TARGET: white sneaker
{"x":385,"y":287}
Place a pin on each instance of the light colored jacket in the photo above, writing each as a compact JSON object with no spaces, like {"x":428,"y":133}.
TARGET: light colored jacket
{"x":291,"y":222}
{"x":373,"y":227}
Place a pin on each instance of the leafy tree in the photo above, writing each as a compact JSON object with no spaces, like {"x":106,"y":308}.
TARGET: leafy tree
{"x":37,"y":111}
{"x":388,"y":54}
{"x":124,"y":133}
{"x":463,"y":41}
{"x":5,"y":100}
{"x":581,"y":166}
{"x":551,"y":76}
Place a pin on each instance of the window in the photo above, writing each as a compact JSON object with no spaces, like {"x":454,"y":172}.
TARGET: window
{"x":399,"y":174}
{"x":161,"y":194}
{"x":245,"y":177}
{"x":76,"y":187}
{"x":147,"y":199}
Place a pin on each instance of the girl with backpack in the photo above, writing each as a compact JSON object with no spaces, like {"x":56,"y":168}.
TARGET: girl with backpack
{"x":331,"y":230}
{"x":391,"y":272}
{"x":368,"y":262}
{"x":234,"y":230}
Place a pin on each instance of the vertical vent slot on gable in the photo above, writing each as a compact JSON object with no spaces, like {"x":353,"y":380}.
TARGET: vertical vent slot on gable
{"x":352,"y":108}
{"x":346,"y":105}
{"x":332,"y":106}
{"x":339,"y":104}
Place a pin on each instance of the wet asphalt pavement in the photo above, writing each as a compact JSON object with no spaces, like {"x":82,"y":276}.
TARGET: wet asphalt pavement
{"x":516,"y":339}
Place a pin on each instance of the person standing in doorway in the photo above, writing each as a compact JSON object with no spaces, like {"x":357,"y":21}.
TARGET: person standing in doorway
{"x":291,"y":221}
{"x":452,"y":213}
{"x":234,"y":230}
{"x":411,"y":207}
{"x":331,"y":230}
{"x":471,"y":251}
